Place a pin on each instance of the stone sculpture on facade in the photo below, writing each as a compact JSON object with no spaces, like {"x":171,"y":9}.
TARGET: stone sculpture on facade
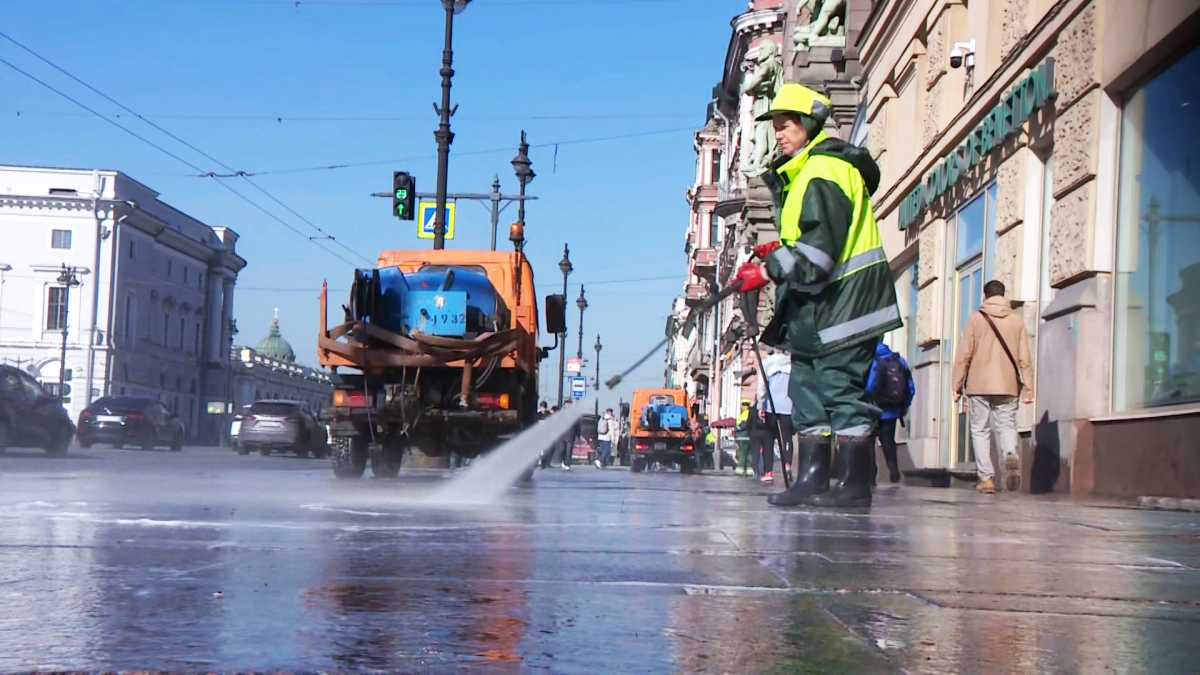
{"x":763,"y":80}
{"x":820,"y":23}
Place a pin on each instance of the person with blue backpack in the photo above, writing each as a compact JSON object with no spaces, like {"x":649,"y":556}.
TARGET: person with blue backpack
{"x":891,"y":386}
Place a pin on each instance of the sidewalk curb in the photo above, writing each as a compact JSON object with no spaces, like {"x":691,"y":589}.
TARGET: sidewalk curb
{"x":1169,"y":504}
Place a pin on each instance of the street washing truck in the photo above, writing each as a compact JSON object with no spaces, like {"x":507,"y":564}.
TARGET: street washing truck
{"x":658,"y":430}
{"x":438,"y":352}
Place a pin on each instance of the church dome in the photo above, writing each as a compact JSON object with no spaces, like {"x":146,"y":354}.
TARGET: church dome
{"x":274,"y":346}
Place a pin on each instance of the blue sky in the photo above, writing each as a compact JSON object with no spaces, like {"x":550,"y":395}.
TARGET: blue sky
{"x":217,"y":73}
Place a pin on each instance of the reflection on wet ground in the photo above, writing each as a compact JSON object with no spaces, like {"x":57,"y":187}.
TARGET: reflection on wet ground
{"x":206,"y":560}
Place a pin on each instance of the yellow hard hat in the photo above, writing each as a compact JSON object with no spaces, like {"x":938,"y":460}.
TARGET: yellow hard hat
{"x":797,"y":98}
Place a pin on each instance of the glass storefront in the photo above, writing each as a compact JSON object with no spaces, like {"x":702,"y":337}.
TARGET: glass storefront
{"x":972,"y":234}
{"x":1157,"y":313}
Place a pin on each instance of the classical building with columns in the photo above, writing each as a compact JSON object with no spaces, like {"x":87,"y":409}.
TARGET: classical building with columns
{"x":270,"y":371}
{"x":152,"y":312}
{"x":1052,"y":145}
{"x":730,"y":207}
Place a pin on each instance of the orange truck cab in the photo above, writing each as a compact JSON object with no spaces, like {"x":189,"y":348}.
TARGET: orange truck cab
{"x":658,"y":430}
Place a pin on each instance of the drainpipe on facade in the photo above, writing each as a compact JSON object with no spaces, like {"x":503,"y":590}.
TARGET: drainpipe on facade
{"x":114,"y":268}
{"x":91,"y":348}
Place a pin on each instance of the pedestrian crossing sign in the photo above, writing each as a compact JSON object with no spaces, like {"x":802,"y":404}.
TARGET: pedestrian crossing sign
{"x":425,"y":213}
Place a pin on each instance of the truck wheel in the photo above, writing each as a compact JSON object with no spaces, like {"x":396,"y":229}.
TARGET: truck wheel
{"x":386,"y":458}
{"x":349,"y":457}
{"x":638,"y":466}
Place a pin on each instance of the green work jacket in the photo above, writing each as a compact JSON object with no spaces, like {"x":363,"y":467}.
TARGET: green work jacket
{"x":834,"y":287}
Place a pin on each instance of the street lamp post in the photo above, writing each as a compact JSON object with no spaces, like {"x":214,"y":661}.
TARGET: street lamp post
{"x":598,"y":348}
{"x":443,"y":135}
{"x":525,"y":175}
{"x":68,"y":280}
{"x":565,"y":267}
{"x":581,"y":303}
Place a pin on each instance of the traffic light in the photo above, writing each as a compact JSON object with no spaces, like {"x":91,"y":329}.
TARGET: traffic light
{"x":404,"y":196}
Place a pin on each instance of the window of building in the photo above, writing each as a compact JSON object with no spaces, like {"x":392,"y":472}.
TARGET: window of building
{"x":128,"y":316}
{"x":60,"y":239}
{"x":56,"y":308}
{"x":196,"y":351}
{"x":715,"y":167}
{"x":182,"y":331}
{"x":714,"y":229}
{"x":185,"y":274}
{"x":168,"y":268}
{"x":1156,"y":359}
{"x":132,"y":249}
{"x":166,"y":328}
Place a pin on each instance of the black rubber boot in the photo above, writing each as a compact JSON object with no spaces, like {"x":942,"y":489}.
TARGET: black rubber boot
{"x":853,"y":488}
{"x":812,"y":474}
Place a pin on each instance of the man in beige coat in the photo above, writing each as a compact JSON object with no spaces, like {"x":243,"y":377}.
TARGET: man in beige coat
{"x":992,"y":368}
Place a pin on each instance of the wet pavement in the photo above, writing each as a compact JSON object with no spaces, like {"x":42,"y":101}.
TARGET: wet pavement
{"x":204,"y":560}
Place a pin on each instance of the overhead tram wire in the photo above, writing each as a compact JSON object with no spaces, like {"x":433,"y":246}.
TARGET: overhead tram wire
{"x":50,"y":63}
{"x":378,"y":162}
{"x":279,"y":119}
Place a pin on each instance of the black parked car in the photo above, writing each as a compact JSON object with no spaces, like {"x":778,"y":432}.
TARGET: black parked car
{"x":130,"y":420}
{"x":30,"y":416}
{"x":283,"y":425}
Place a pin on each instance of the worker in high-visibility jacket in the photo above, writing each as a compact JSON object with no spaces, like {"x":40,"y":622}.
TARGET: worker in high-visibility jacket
{"x":834,"y":297}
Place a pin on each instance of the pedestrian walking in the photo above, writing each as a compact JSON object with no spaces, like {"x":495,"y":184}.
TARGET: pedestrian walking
{"x":992,"y":367}
{"x":777,"y":368}
{"x":762,"y":442}
{"x":892,"y":388}
{"x":549,"y":453}
{"x":606,"y":433}
{"x":568,"y":442}
{"x":834,"y":296}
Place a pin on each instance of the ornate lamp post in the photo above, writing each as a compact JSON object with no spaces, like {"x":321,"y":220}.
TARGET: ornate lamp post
{"x":68,"y":280}
{"x":581,"y":303}
{"x":598,"y":348}
{"x":443,"y":135}
{"x":565,"y":267}
{"x":525,"y":175}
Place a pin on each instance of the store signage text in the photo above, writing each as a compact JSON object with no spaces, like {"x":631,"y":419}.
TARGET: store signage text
{"x":1004,"y":119}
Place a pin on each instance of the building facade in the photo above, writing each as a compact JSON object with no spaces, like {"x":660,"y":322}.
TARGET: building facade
{"x":152,"y":313}
{"x":270,"y":371}
{"x":730,"y":207}
{"x":1052,"y":145}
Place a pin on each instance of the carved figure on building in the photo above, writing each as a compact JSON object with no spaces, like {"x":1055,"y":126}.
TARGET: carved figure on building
{"x":763,"y":79}
{"x":820,"y":23}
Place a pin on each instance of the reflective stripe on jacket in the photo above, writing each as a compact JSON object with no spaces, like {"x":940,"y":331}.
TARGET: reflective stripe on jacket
{"x":834,"y":285}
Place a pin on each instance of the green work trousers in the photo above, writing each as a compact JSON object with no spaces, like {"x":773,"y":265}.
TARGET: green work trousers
{"x":830,"y":392}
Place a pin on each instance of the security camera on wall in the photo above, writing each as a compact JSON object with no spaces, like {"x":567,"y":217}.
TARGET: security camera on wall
{"x":963,"y":52}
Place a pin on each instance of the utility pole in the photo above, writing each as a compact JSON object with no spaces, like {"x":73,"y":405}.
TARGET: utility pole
{"x":443,"y":135}
{"x":598,"y":348}
{"x":67,"y":279}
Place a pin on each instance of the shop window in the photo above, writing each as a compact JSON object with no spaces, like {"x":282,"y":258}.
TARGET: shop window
{"x":1156,"y":346}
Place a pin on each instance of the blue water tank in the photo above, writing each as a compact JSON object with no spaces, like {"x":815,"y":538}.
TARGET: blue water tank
{"x":668,"y":416}
{"x":442,"y":300}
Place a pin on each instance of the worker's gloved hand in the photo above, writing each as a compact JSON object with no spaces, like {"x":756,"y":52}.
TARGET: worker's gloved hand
{"x":763,"y":250}
{"x":753,"y":277}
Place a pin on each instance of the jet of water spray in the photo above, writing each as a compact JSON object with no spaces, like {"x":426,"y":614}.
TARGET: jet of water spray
{"x":487,"y":478}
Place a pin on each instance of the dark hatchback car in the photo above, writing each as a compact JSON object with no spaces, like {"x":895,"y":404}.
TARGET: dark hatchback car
{"x":282,"y":425}
{"x":30,"y":416}
{"x":130,"y":420}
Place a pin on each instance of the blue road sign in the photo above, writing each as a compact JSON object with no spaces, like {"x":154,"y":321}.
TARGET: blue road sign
{"x":425,"y":211}
{"x":578,"y":387}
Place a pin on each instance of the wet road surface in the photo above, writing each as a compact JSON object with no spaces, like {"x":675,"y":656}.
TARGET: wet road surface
{"x":204,"y":560}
